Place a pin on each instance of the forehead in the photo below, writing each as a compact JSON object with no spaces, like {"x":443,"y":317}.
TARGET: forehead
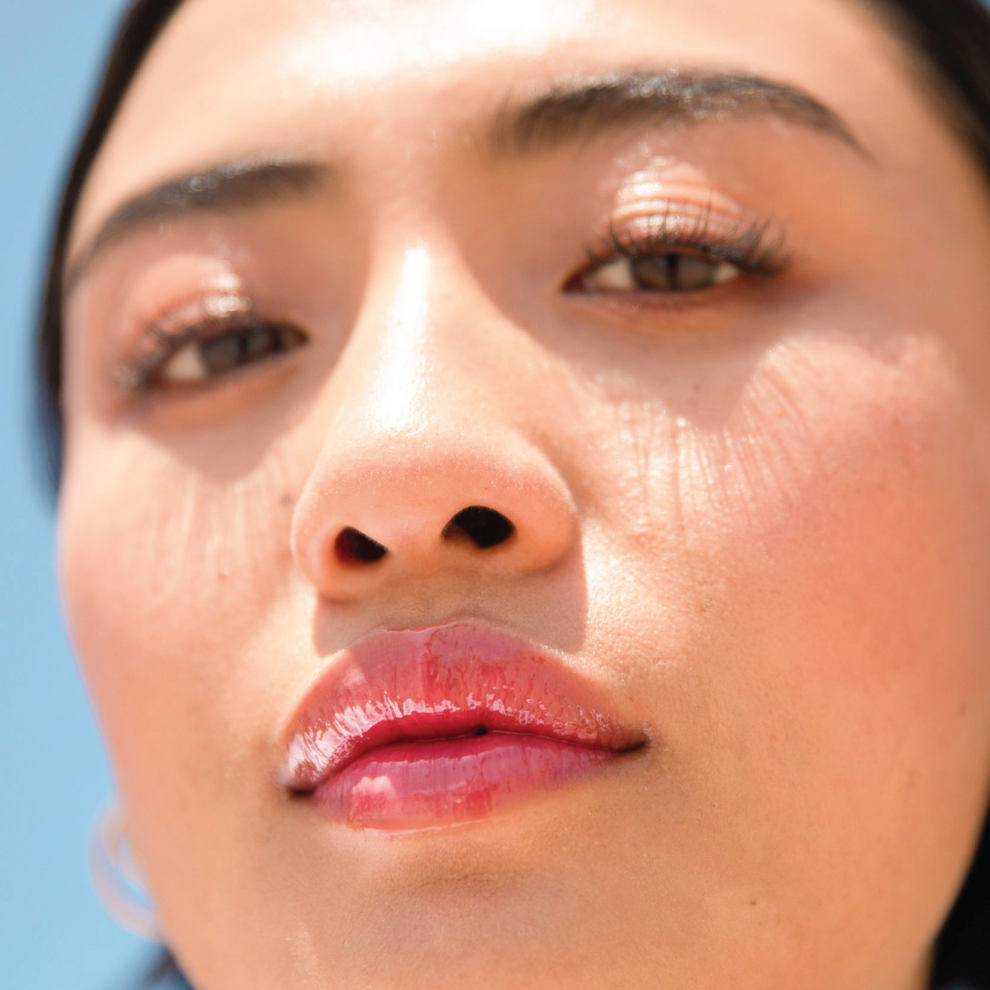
{"x":335,"y":78}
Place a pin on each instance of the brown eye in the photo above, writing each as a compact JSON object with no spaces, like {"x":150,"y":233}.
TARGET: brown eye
{"x":214,"y":354}
{"x":659,"y":273}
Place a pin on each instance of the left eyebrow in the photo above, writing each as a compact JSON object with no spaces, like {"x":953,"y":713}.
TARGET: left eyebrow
{"x":232,"y":187}
{"x":583,"y":107}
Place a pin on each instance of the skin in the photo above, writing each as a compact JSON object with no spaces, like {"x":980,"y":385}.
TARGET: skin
{"x":755,"y":518}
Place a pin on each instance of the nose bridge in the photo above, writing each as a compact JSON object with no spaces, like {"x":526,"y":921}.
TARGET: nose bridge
{"x":399,"y":348}
{"x":417,"y":472}
{"x":399,"y":390}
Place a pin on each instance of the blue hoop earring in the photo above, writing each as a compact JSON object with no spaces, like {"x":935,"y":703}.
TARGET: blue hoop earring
{"x":116,"y":878}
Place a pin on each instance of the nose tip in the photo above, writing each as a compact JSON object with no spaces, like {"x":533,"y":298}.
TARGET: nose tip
{"x":434,"y":507}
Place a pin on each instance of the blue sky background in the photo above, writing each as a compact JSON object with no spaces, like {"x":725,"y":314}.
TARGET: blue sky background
{"x":53,"y":933}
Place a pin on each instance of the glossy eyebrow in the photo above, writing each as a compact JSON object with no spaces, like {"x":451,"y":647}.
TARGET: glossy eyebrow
{"x":235,"y":186}
{"x":579,"y":108}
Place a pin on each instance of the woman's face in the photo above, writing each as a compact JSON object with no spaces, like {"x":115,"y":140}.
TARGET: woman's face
{"x":718,"y":349}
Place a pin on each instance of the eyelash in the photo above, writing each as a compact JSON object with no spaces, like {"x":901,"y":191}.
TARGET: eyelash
{"x":754,"y":247}
{"x":212,"y":319}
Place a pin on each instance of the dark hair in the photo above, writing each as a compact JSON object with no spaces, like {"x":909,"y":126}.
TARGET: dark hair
{"x":953,"y":38}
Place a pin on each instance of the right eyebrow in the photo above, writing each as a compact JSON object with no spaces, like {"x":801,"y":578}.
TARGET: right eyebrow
{"x":231,"y":187}
{"x":584,"y":106}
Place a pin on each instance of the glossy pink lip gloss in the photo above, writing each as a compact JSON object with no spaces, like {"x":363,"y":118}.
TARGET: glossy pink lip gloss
{"x":418,"y":728}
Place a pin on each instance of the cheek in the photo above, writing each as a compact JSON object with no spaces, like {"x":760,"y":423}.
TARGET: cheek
{"x":849,"y":485}
{"x":169,"y":582}
{"x":862,"y":562}
{"x":819,"y":646}
{"x":849,"y":497}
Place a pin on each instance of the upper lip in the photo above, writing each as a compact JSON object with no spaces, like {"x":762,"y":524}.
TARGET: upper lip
{"x":440,"y":682}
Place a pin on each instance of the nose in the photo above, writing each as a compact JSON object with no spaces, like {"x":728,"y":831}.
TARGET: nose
{"x":420,"y":470}
{"x":412,"y":505}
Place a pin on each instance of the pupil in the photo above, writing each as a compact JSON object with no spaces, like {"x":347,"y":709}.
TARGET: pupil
{"x":231,"y":350}
{"x":256,"y":342}
{"x":220,"y":354}
{"x":673,"y":273}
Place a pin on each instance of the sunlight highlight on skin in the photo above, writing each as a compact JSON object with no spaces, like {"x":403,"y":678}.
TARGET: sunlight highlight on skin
{"x":471,"y":31}
{"x":395,"y":400}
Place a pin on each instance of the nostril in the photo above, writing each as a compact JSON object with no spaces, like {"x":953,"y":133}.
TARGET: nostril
{"x":485,"y":527}
{"x":353,"y":547}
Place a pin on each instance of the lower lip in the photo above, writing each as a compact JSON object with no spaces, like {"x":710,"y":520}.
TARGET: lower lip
{"x":428,"y":784}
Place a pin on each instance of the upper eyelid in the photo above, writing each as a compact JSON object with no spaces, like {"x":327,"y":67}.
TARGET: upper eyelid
{"x":173,"y":324}
{"x":646,"y":194}
{"x":157,"y":342}
{"x":760,"y":244}
{"x":203,"y":309}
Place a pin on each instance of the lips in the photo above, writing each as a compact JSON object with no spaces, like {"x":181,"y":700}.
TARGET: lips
{"x":413,"y":729}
